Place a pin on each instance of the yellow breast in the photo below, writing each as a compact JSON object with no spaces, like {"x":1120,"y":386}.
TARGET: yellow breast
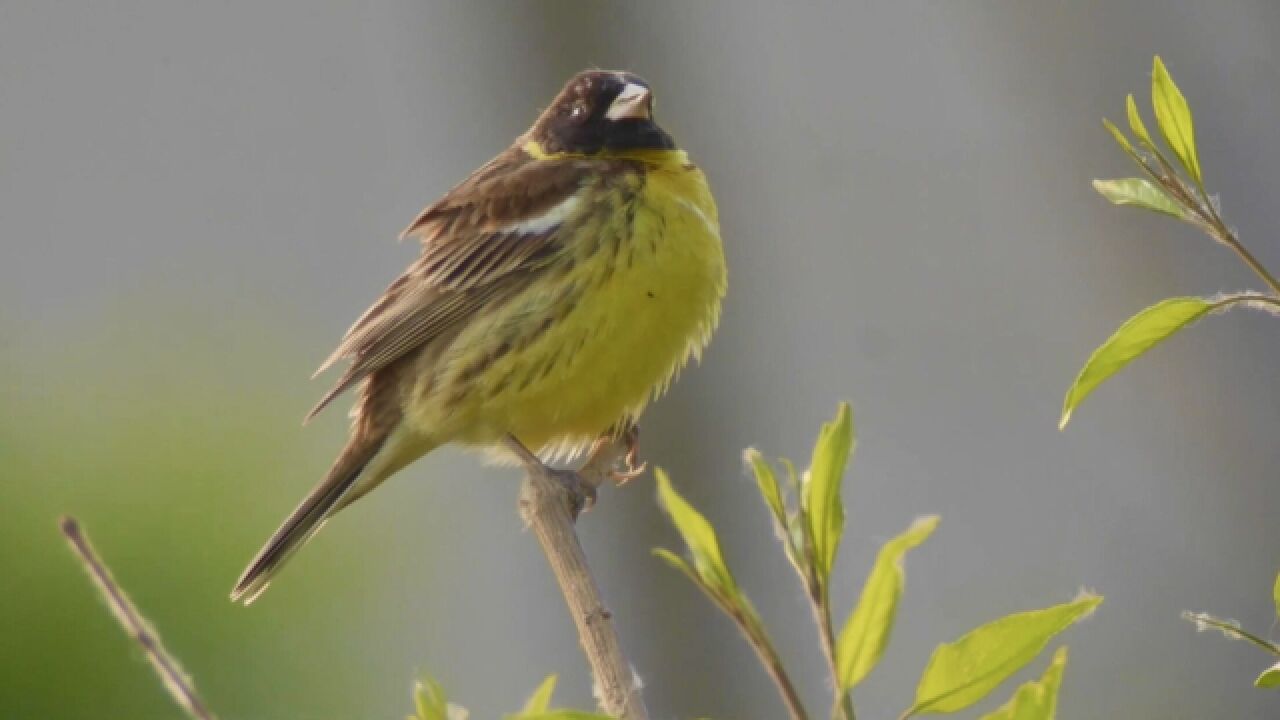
{"x":635,"y":294}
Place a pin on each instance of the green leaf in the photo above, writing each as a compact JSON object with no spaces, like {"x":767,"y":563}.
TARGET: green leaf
{"x":678,"y":563}
{"x":1137,"y":335}
{"x":1270,"y":678}
{"x":1038,"y":699}
{"x":540,"y":700}
{"x":792,"y":484}
{"x":789,"y":529}
{"x":866,"y":633}
{"x":796,"y":529}
{"x":1140,"y":192}
{"x":1174,"y":117}
{"x":1135,"y":121}
{"x":1275,"y":594}
{"x":821,"y":496}
{"x":1121,"y":140}
{"x":565,"y":715}
{"x":767,"y":481}
{"x":432,"y":703}
{"x":430,"y":700}
{"x":962,"y":672}
{"x":698,"y":535}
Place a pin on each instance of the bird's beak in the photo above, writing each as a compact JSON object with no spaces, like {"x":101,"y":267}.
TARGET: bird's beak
{"x":631,"y":104}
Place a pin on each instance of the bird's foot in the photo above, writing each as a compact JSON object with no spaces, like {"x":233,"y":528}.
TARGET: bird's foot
{"x":615,"y":457}
{"x":631,"y":466}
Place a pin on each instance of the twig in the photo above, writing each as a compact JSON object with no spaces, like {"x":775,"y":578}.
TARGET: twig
{"x":758,"y":638}
{"x":545,"y":506}
{"x":842,"y":702}
{"x":1224,"y":235}
{"x":1204,"y":621}
{"x":820,"y":602}
{"x":773,"y":665}
{"x":179,"y":685}
{"x":1203,"y":212}
{"x":749,"y":623}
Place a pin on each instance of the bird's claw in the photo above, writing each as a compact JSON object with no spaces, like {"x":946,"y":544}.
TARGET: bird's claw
{"x":629,"y":471}
{"x":631,"y":466}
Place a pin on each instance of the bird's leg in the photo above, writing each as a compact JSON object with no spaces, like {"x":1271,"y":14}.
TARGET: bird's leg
{"x":632,"y":468}
{"x":614,"y":456}
{"x":581,"y":492}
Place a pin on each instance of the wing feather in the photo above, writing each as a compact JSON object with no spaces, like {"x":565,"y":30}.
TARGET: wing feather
{"x":482,"y":240}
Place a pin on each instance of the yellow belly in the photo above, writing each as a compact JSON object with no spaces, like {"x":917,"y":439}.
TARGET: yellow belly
{"x":635,"y":296}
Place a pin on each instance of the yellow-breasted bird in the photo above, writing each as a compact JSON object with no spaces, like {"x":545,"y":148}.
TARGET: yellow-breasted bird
{"x":561,"y":287}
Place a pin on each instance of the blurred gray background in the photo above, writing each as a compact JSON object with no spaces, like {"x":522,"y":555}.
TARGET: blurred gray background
{"x":197,"y":198}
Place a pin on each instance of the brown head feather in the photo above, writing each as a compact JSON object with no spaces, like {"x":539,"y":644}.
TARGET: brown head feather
{"x":578,"y":121}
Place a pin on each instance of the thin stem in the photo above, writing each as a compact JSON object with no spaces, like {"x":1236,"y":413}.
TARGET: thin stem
{"x":842,"y":703}
{"x":546,"y":506}
{"x":815,"y":588}
{"x":1230,"y":630}
{"x":1208,"y":203}
{"x":758,"y":638}
{"x":180,"y":687}
{"x":1228,"y":238}
{"x":1248,"y":298}
{"x":1205,"y":215}
{"x":763,"y":646}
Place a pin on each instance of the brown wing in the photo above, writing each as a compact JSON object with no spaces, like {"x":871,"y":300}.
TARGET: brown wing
{"x":480,"y":240}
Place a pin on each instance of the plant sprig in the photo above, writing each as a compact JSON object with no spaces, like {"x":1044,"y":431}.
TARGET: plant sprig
{"x":431,"y":703}
{"x":1175,"y":187}
{"x":807,"y":512}
{"x":1269,"y":678}
{"x":1179,"y":191}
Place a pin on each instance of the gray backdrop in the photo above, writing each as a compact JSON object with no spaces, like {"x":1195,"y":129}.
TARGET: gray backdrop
{"x":904,"y":189}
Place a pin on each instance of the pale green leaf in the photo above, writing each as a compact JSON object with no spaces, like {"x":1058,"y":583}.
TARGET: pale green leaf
{"x":795,"y":531}
{"x":792,"y":483}
{"x":790,"y":532}
{"x":565,"y":715}
{"x":540,"y":700}
{"x":1174,"y":118}
{"x":1270,"y":678}
{"x":1275,"y":594}
{"x":823,"y":507}
{"x":1121,"y":140}
{"x":767,"y":481}
{"x":1137,"y":335}
{"x":798,"y":536}
{"x":698,"y":535}
{"x":1140,"y":192}
{"x":866,"y":633}
{"x":1135,"y":121}
{"x":1038,"y":699}
{"x":961,"y":673}
{"x":678,"y":563}
{"x":430,"y":700}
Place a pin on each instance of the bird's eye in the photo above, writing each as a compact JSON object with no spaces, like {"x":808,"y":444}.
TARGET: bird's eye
{"x":578,"y":111}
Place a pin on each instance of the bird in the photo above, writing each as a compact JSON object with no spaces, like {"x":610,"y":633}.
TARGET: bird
{"x":560,"y":288}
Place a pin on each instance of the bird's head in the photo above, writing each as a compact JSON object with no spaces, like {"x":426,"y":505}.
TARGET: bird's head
{"x":600,"y":112}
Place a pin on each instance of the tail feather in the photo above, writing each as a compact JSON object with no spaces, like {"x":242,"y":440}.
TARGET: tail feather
{"x":307,"y":519}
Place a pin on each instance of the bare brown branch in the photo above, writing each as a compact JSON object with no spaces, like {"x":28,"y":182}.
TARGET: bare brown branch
{"x":545,"y":505}
{"x":175,"y":681}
